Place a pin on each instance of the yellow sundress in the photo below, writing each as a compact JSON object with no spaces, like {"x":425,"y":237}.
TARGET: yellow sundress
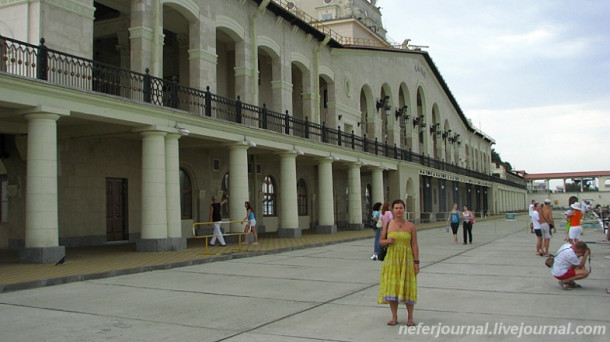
{"x":398,"y":281}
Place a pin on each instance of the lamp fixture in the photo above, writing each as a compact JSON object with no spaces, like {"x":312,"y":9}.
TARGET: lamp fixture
{"x":340,"y":116}
{"x":434,"y":128}
{"x":358,"y":123}
{"x":182,"y":130}
{"x":249,"y":142}
{"x":383,"y":103}
{"x":455,"y":139}
{"x":415,"y":121}
{"x":402,"y":111}
{"x":446,"y":134}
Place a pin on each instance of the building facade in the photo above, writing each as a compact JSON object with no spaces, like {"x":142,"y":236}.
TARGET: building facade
{"x":120,"y":119}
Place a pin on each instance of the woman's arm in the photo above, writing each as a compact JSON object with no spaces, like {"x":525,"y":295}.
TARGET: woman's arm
{"x":383,"y":239}
{"x":415,"y":249}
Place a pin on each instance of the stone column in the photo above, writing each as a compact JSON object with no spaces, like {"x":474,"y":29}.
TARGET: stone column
{"x":172,"y":170}
{"x":202,"y":55}
{"x":326,"y":210}
{"x":141,"y":35}
{"x":378,"y":185}
{"x":289,"y":217}
{"x":154,"y":194}
{"x":355,"y":198}
{"x":243,"y":72}
{"x":41,"y":214}
{"x":238,"y":185}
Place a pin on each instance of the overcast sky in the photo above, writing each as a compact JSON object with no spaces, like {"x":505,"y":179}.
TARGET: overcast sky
{"x":533,"y":75}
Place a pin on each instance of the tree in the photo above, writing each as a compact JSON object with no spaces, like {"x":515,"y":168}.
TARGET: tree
{"x":495,"y":158}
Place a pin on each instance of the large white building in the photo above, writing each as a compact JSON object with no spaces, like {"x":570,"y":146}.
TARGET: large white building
{"x":132,"y":114}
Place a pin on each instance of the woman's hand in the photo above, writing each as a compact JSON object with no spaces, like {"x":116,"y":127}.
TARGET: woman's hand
{"x":416,"y":268}
{"x":390,"y":241}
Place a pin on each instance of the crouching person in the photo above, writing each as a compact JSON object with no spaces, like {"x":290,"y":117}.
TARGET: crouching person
{"x":569,"y":264}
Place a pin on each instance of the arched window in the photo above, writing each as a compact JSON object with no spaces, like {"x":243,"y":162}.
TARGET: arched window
{"x":269,"y":200}
{"x":302,"y":197}
{"x":186,"y":196}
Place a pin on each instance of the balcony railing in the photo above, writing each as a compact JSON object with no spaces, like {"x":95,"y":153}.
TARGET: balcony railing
{"x":31,"y":61}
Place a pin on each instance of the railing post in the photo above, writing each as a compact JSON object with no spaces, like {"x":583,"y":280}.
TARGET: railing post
{"x":174,"y":92}
{"x":264,"y":115}
{"x":42,"y":61}
{"x":339,"y":136}
{"x":385,"y":148}
{"x":395,"y":151}
{"x":306,"y":128}
{"x":365,"y":143}
{"x":353,"y":139}
{"x":238,"y":117}
{"x":147,"y":91}
{"x":324,"y":131}
{"x":287,"y":123}
{"x":376,"y":146}
{"x":208,"y":102}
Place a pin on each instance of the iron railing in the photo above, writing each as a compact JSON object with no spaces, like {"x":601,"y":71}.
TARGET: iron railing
{"x":31,"y":61}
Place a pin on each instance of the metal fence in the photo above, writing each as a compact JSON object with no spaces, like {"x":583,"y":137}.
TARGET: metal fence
{"x":31,"y":61}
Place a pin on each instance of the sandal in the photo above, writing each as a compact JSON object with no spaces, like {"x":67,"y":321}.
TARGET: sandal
{"x":392,"y":322}
{"x":575,"y":286}
{"x":565,"y":286}
{"x":411,"y":324}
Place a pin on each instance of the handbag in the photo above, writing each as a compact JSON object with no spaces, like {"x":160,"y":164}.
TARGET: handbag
{"x":379,"y":223}
{"x":551,"y":259}
{"x":382,"y":252}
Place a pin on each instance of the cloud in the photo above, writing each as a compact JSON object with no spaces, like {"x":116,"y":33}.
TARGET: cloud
{"x":556,"y":138}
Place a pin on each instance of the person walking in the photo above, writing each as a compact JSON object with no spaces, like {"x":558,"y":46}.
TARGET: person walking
{"x":216,"y":217}
{"x":398,"y":279}
{"x":378,"y":224}
{"x":546,"y":221}
{"x":537,"y":229}
{"x":454,"y":221}
{"x":251,"y":225}
{"x":386,"y":214}
{"x":467,"y":222}
{"x":575,"y":216}
{"x":531,"y":210}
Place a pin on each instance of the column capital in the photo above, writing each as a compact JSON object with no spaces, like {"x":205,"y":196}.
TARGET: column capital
{"x":44,"y":112}
{"x":326,"y":159}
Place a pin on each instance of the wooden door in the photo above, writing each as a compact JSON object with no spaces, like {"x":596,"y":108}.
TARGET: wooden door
{"x":116,"y":209}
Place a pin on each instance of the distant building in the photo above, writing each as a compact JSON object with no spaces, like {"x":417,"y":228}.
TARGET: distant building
{"x":109,"y":132}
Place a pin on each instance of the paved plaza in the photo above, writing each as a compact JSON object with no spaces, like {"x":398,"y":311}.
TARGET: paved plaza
{"x":328,"y":293}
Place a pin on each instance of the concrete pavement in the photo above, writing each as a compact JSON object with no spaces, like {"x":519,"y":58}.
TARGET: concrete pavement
{"x":329,"y":293}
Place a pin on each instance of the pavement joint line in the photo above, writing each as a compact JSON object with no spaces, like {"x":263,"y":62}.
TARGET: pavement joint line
{"x":330,"y":301}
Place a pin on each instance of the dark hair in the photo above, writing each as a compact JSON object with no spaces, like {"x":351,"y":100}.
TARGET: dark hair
{"x":385,"y":207}
{"x":572,"y":200}
{"x":248,"y":206}
{"x":581,"y":246}
{"x":398,"y":201}
{"x":377,"y":206}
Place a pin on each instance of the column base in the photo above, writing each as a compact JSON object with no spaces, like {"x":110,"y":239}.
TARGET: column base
{"x":177,"y":244}
{"x":330,"y":229}
{"x":160,"y":245}
{"x":289,"y":233}
{"x":41,"y":255}
{"x":355,"y":226}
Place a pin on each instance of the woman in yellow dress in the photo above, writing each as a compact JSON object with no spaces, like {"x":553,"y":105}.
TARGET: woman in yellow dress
{"x":398,"y":281}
